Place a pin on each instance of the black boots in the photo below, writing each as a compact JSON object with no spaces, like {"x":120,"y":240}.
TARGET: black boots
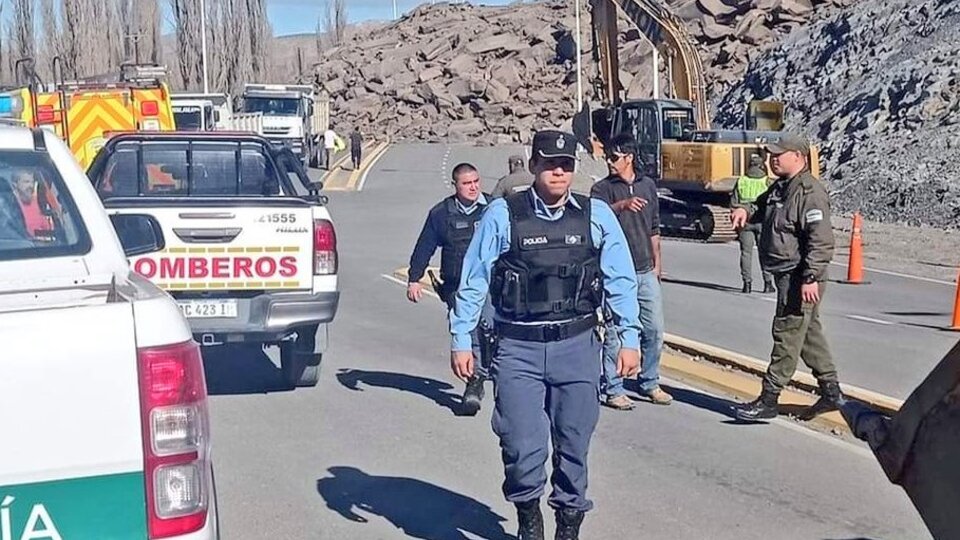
{"x":568,"y":524}
{"x":747,"y":287}
{"x":830,"y":400}
{"x":531,"y":521}
{"x":472,"y":396}
{"x":762,"y":408}
{"x":768,"y":287}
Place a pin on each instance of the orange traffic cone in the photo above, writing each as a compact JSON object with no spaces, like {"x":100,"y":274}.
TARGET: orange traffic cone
{"x":855,"y":266}
{"x":956,"y":308}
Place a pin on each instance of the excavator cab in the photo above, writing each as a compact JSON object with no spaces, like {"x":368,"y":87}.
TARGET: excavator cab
{"x":651,"y":122}
{"x":764,"y":115}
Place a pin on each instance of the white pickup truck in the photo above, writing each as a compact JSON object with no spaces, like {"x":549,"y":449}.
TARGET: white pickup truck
{"x":251,"y":249}
{"x":103,"y":403}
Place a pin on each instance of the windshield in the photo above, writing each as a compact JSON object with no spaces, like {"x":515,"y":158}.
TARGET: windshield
{"x":188,"y":120}
{"x":272,"y":106}
{"x":37,"y":216}
{"x":674,"y":122}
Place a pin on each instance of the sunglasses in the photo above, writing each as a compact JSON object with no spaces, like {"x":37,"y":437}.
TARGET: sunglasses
{"x":613,"y":158}
{"x":567,"y":164}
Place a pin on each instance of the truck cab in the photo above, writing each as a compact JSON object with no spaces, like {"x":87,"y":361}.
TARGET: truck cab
{"x":193,"y":115}
{"x":290,"y":117}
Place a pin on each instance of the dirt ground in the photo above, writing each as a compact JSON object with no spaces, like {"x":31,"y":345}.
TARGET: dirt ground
{"x":926,"y":252}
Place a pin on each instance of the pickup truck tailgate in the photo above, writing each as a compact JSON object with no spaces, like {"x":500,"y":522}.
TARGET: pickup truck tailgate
{"x":71,"y":459}
{"x":241,"y":244}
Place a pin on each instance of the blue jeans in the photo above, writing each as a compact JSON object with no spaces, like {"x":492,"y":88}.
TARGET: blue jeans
{"x":651,"y":340}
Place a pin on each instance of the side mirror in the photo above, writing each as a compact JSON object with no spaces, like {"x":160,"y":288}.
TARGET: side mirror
{"x":139,"y":234}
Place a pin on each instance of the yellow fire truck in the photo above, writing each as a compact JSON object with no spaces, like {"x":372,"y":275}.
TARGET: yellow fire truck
{"x":83,"y":112}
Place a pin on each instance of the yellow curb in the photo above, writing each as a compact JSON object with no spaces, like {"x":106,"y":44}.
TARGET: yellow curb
{"x":366,"y":164}
{"x":801,"y":380}
{"x":346,"y":181}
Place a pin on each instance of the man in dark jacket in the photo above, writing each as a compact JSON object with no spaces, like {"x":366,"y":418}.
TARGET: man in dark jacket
{"x":796,"y":245}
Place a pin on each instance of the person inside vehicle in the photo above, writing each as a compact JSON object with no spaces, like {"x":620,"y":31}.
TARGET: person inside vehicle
{"x":36,"y":211}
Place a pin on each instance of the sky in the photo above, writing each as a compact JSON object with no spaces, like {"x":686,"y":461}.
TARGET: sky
{"x":299,"y":16}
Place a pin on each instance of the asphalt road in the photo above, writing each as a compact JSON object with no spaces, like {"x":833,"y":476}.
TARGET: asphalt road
{"x":376,"y":450}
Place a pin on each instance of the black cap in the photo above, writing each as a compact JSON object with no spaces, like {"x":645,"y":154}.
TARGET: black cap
{"x":789,"y":143}
{"x":553,"y":143}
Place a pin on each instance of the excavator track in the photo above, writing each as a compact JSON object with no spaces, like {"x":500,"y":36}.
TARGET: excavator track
{"x":695,"y":222}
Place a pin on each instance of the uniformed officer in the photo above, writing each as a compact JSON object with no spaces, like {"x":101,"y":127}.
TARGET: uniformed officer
{"x":747,"y":190}
{"x":796,"y":245}
{"x":450,"y":225}
{"x":518,"y":178}
{"x":548,"y":258}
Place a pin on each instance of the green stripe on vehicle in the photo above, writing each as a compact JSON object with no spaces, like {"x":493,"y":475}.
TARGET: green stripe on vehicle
{"x":98,"y":507}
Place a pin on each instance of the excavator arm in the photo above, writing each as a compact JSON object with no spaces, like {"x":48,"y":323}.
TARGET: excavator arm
{"x":665,"y":32}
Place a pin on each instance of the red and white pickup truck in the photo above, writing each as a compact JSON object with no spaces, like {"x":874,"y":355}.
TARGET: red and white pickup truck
{"x":251,"y":249}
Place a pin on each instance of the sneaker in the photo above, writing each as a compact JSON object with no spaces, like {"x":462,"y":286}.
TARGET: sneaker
{"x":659,"y":397}
{"x":620,"y":403}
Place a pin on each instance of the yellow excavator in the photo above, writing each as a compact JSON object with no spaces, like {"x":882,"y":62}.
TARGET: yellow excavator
{"x":696,"y":166}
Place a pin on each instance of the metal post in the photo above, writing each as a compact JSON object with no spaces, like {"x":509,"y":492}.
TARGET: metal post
{"x":395,"y":15}
{"x":203,"y":44}
{"x":579,"y":66}
{"x":656,"y":73}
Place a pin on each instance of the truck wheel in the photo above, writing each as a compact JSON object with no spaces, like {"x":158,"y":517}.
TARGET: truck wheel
{"x":299,"y":365}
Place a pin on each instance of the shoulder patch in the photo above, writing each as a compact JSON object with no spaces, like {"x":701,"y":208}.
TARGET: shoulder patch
{"x":813,"y":216}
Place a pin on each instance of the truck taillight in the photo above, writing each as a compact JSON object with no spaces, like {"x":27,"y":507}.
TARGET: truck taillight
{"x":45,"y":114}
{"x":176,"y":441}
{"x":324,"y":248}
{"x":149,"y":108}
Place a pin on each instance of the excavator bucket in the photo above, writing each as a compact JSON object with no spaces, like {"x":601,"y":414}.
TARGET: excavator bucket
{"x":919,"y":446}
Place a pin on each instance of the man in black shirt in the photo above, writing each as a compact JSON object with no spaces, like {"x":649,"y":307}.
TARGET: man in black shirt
{"x":356,"y":144}
{"x":633,"y":198}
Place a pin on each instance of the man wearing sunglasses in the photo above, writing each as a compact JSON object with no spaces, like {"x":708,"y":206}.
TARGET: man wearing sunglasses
{"x":548,"y":258}
{"x":633,"y":198}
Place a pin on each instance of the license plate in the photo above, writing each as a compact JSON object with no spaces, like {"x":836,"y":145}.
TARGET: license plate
{"x":202,"y":309}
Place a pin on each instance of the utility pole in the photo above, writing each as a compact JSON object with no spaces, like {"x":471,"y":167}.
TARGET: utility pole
{"x":579,"y":66}
{"x":395,"y":15}
{"x":203,"y":44}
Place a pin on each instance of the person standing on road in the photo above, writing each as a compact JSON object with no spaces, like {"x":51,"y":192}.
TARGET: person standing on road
{"x":518,"y":179}
{"x":547,"y":257}
{"x":356,"y":147}
{"x":633,"y":198}
{"x":748,"y":188}
{"x":796,"y":245}
{"x":329,"y":146}
{"x":450,"y":226}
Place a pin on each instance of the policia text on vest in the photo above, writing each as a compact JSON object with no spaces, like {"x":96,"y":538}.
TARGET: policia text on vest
{"x":547,"y":257}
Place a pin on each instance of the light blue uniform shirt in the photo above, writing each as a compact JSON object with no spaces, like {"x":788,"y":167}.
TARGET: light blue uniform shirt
{"x":467,"y":210}
{"x":492,"y":239}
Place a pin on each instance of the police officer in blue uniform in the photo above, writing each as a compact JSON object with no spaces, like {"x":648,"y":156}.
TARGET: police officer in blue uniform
{"x":450,"y":225}
{"x":548,"y":258}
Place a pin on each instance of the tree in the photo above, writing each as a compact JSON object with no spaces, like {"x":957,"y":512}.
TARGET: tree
{"x":52,"y":39}
{"x":340,"y":20}
{"x":186,"y":17}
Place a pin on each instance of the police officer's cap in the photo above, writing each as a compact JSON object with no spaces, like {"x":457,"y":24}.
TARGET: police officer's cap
{"x":553,"y":143}
{"x":789,"y":143}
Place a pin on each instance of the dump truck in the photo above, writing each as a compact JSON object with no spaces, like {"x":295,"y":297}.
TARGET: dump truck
{"x":212,"y":112}
{"x":293,"y":116}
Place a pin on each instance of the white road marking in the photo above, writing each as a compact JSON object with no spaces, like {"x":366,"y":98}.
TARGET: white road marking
{"x":363,"y":179}
{"x":869,"y":320}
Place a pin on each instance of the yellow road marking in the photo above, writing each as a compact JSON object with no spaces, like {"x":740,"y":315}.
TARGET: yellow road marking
{"x":371,"y":159}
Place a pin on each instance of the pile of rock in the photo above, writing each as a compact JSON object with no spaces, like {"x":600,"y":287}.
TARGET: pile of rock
{"x":878,"y":87}
{"x":456,"y":72}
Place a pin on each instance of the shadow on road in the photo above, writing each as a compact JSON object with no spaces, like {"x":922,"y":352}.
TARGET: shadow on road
{"x":240,"y":369}
{"x":918,"y":313}
{"x":432,"y":389}
{"x":700,"y":400}
{"x":701,"y":285}
{"x":419,"y":509}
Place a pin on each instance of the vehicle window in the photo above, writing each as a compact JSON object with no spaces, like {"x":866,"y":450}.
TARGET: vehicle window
{"x":187,"y":119}
{"x":121,"y":175}
{"x":37,"y":216}
{"x":272,"y":106}
{"x":214,"y":169}
{"x":255,"y":170}
{"x":166,"y":169}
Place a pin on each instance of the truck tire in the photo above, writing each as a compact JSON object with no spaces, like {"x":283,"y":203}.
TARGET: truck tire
{"x":299,"y":364}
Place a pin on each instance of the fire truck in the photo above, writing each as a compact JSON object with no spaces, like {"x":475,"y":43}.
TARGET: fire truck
{"x":83,"y":112}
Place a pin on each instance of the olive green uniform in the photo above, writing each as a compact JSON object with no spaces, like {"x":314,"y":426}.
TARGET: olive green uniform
{"x":796,"y":245}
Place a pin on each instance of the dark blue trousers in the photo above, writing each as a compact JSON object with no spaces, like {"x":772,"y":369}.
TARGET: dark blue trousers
{"x":546,"y":393}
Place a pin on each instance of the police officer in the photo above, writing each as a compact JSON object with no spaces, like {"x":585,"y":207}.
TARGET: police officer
{"x":796,"y":245}
{"x":518,"y":179}
{"x":548,"y":258}
{"x":747,"y":190}
{"x":450,"y":226}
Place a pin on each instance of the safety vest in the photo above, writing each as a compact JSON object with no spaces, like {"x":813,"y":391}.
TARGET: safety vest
{"x":552,"y":270}
{"x":749,"y":189}
{"x":455,"y":238}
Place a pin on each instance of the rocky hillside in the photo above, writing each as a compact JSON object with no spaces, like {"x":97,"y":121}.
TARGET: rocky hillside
{"x":878,"y":87}
{"x":458,"y":72}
